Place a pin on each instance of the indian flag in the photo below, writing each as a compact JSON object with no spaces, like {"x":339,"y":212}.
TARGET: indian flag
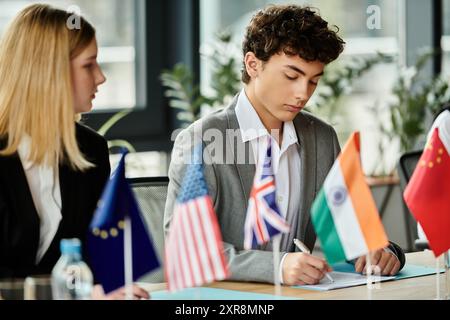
{"x":344,"y":213}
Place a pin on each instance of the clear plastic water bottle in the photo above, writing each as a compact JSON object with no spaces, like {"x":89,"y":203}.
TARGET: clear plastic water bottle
{"x":71,"y":277}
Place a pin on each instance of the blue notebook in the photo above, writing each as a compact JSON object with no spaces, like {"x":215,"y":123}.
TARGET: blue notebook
{"x":408,"y":271}
{"x":214,"y":294}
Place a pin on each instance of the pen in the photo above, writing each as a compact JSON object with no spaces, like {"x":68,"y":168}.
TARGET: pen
{"x":305,"y":249}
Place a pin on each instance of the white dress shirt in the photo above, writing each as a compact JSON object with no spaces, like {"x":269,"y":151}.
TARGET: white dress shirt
{"x":286,"y":160}
{"x":43,"y":182}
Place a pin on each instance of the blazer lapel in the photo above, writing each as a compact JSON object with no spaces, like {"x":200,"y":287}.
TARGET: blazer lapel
{"x":28,"y":219}
{"x":68,"y":201}
{"x":246,"y":169}
{"x":243,"y":157}
{"x":308,"y":155}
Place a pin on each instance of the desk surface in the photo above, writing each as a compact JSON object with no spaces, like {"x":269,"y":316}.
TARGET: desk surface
{"x":421,"y":288}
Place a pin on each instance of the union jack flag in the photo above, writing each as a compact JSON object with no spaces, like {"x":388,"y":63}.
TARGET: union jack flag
{"x":194,"y":252}
{"x":263,"y":219}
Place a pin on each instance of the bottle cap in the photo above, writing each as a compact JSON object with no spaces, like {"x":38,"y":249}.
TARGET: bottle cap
{"x":70,"y":246}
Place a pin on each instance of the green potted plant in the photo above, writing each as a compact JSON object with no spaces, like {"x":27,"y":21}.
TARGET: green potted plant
{"x":402,"y":125}
{"x":134,"y":161}
{"x":337,"y":82}
{"x":109,"y":124}
{"x":186,"y":97}
{"x":416,"y":99}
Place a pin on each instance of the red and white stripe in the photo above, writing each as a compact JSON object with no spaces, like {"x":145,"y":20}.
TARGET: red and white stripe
{"x":194,"y":252}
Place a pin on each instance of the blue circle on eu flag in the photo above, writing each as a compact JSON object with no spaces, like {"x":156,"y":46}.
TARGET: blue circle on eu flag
{"x":338,"y":195}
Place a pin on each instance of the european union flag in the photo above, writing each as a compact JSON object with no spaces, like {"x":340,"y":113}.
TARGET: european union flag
{"x":106,"y":236}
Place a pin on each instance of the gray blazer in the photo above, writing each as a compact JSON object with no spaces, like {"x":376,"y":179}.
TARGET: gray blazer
{"x":230,"y":184}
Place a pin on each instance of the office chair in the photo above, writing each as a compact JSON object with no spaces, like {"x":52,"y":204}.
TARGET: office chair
{"x":151,"y":196}
{"x":406,"y":166}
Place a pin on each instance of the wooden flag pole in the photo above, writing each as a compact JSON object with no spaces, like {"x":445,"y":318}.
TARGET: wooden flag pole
{"x":276,"y":264}
{"x":128,"y":259}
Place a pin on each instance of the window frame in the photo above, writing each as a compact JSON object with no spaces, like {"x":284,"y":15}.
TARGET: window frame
{"x":167,"y":32}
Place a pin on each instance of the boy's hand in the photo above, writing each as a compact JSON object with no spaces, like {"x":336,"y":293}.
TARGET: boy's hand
{"x":302,"y":268}
{"x":387,"y":263}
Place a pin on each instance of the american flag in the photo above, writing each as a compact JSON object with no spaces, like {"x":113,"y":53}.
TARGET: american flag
{"x":194,"y":252}
{"x":263,"y":219}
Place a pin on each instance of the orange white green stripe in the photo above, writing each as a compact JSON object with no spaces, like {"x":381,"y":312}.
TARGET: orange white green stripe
{"x":344,"y":213}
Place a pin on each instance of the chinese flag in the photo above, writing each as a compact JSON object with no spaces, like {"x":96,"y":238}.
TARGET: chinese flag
{"x":428,"y":192}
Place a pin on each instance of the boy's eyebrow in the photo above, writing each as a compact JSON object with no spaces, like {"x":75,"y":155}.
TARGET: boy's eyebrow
{"x":296,"y":69}
{"x":92,"y":57}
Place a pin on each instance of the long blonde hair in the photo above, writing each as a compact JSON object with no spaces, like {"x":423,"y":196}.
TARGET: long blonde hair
{"x":35,"y":85}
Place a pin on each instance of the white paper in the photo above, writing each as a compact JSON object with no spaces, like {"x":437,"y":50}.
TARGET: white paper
{"x":343,"y":280}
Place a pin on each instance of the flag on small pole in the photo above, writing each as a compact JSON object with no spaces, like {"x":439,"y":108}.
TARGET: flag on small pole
{"x":344,"y":213}
{"x":426,"y":194}
{"x":119,"y":244}
{"x":264,"y":220}
{"x":194,"y":253}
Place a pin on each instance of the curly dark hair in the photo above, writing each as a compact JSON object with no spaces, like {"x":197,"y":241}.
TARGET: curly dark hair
{"x":294,"y":30}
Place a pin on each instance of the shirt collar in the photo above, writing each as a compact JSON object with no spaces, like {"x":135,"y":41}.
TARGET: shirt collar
{"x":249,"y":122}
{"x":289,"y":135}
{"x":252,"y":127}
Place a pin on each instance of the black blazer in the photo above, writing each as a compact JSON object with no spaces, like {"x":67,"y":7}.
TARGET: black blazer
{"x":19,"y":221}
